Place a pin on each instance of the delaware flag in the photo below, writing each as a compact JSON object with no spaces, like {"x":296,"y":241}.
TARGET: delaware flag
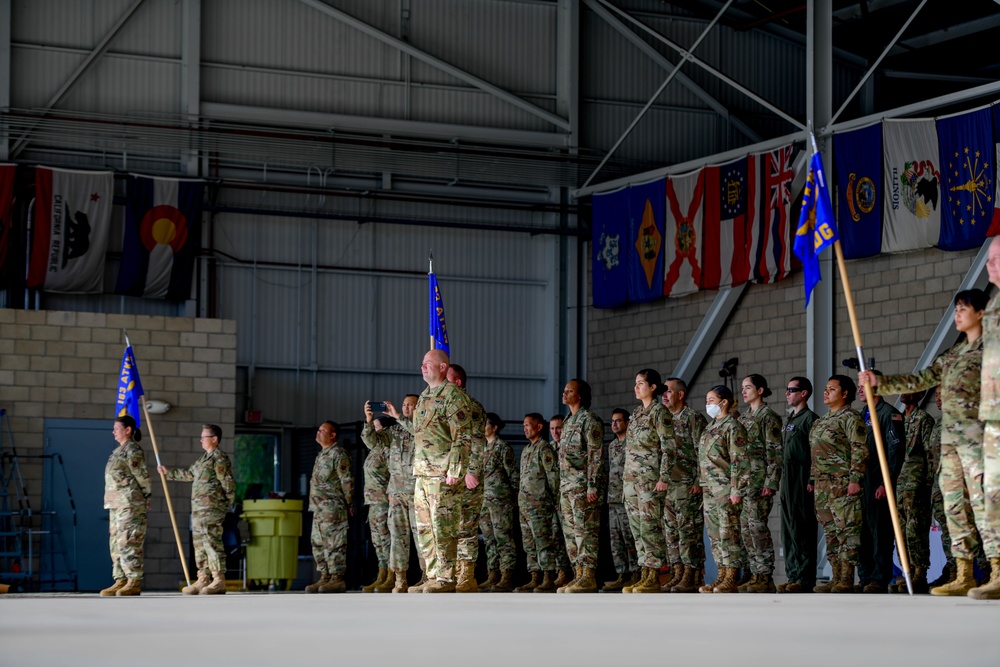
{"x":129,"y":387}
{"x":817,"y":228}
{"x":439,"y":331}
{"x":162,"y":232}
{"x":645,"y":252}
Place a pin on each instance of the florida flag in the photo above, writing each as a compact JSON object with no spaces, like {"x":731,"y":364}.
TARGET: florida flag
{"x":162,"y":232}
{"x":685,"y":213}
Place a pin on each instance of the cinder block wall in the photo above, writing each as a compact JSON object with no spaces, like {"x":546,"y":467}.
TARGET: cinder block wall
{"x":899,"y":298}
{"x":65,"y":365}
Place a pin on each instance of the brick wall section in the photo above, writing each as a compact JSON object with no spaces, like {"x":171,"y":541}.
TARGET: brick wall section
{"x":899,"y":299}
{"x":64,"y":365}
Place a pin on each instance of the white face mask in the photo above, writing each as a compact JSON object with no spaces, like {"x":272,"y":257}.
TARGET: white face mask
{"x":713,"y":410}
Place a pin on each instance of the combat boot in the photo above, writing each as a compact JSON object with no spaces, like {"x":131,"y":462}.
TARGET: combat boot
{"x":676,"y":574}
{"x":743,"y":585}
{"x":217,"y":587}
{"x":530,"y":585}
{"x":898,"y":585}
{"x":990,"y":590}
{"x":651,"y":584}
{"x":565,"y":587}
{"x":963,"y":582}
{"x":727,"y":582}
{"x":388,"y":584}
{"x":947,"y":576}
{"x":587,"y":583}
{"x":504,"y":584}
{"x":380,"y":579}
{"x":196,"y":587}
{"x":336,"y":584}
{"x":828,"y":586}
{"x":627,"y":588}
{"x":438,"y":586}
{"x":919,"y":582}
{"x":491,"y":581}
{"x":845,"y":582}
{"x":466,"y":577}
{"x":873,"y":587}
{"x":131,"y":587}
{"x":548,"y":584}
{"x":710,"y":587}
{"x":419,"y":586}
{"x":563,"y":579}
{"x":688,"y":582}
{"x":743,"y":577}
{"x":617,"y":584}
{"x":110,"y":591}
{"x":764,"y":584}
{"x":796,"y":587}
{"x":323,"y":580}
{"x":400,"y":579}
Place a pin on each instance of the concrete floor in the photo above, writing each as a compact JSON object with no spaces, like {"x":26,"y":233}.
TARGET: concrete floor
{"x":512,"y":630}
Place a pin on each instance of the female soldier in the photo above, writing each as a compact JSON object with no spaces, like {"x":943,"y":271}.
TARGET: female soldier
{"x":127,"y":489}
{"x":764,"y":453}
{"x":725,"y":478}
{"x":500,"y":481}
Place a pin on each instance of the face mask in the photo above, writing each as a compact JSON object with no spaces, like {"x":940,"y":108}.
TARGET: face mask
{"x":713,"y":410}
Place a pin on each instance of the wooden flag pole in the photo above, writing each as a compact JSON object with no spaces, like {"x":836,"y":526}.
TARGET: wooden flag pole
{"x":890,"y":495}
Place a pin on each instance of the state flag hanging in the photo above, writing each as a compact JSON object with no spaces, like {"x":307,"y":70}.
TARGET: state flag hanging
{"x":730,"y":213}
{"x":857,"y":156}
{"x":685,"y":214}
{"x":771,"y":236}
{"x":912,"y":172}
{"x":609,"y":238}
{"x":967,"y":151}
{"x":645,"y":251}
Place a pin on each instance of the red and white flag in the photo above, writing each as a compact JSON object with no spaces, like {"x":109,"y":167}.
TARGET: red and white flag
{"x":771,"y":236}
{"x":72,"y":223}
{"x":683,"y":233}
{"x":730,"y":212}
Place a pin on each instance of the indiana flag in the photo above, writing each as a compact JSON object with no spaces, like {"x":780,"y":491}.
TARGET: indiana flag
{"x":162,"y":234}
{"x":6,"y":210}
{"x":438,"y":328}
{"x":730,"y":213}
{"x":609,"y":236}
{"x":72,"y":223}
{"x":771,"y":236}
{"x":858,"y":159}
{"x":817,"y":228}
{"x":967,"y":152}
{"x":912,"y":171}
{"x":129,"y":387}
{"x":645,"y":251}
{"x":685,"y":195}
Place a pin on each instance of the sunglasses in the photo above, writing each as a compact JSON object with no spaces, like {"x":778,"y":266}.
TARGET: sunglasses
{"x":792,"y":390}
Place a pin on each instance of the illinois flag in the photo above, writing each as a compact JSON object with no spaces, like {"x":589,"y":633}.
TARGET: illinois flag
{"x":967,"y":151}
{"x":683,"y":243}
{"x":162,"y":232}
{"x":645,"y":251}
{"x":609,"y":239}
{"x":817,"y":228}
{"x":912,"y":172}
{"x":72,"y":223}
{"x":730,"y":213}
{"x":129,"y":387}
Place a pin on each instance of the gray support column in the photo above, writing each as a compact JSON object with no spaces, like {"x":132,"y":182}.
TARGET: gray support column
{"x":6,"y":15}
{"x":568,"y":63}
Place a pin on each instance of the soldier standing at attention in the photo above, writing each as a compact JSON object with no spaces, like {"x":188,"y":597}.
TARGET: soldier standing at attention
{"x":376,"y":469}
{"x":442,"y":431}
{"x":538,"y":503}
{"x":798,"y":512}
{"x":565,"y":572}
{"x":949,"y":570}
{"x":838,"y":451}
{"x":764,"y":453}
{"x":402,"y":518}
{"x":725,"y":475}
{"x":622,"y":543}
{"x":500,"y":483}
{"x":472,"y":497}
{"x":127,"y":489}
{"x":212,"y":493}
{"x":331,"y":495}
{"x":581,"y":482}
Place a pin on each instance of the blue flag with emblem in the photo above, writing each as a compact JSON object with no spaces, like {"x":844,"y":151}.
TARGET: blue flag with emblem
{"x":817,"y":228}
{"x":858,"y":159}
{"x":129,"y":387}
{"x":439,"y":331}
{"x":967,"y":156}
{"x":646,"y":209}
{"x":609,"y":240}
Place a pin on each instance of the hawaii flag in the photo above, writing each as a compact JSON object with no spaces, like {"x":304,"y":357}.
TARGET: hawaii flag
{"x":162,"y":233}
{"x":72,"y":223}
{"x":771,"y":236}
{"x":730,"y":212}
{"x":683,"y":233}
{"x":912,"y":209}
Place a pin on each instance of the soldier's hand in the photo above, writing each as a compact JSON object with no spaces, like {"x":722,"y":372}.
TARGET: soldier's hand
{"x":810,"y":487}
{"x":736,"y":500}
{"x":869,"y":376}
{"x":880,"y":493}
{"x":391,"y":410}
{"x":766,"y":492}
{"x":853,"y":489}
{"x":695,"y":489}
{"x":661,"y":486}
{"x":369,"y":415}
{"x":471,"y":481}
{"x":162,"y":469}
{"x":350,"y":511}
{"x":450,"y":481}
{"x":591,"y":497}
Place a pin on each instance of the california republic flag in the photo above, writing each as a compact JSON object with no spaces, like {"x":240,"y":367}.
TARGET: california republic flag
{"x":72,"y":222}
{"x":912,"y":211}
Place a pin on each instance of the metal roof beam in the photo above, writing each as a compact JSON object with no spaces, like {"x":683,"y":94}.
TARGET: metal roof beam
{"x":947,"y":34}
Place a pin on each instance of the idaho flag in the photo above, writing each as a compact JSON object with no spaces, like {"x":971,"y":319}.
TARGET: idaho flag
{"x":858,"y":156}
{"x":162,"y":234}
{"x":129,"y":388}
{"x":645,"y":241}
{"x":609,"y":238}
{"x":967,"y":152}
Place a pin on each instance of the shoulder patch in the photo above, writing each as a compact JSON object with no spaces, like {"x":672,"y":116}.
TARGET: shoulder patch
{"x":897,"y":417}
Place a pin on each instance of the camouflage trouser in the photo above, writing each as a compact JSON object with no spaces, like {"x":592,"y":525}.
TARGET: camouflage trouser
{"x":402,"y":523}
{"x":559,"y":542}
{"x":128,"y":533}
{"x":757,"y":542}
{"x":497,"y":525}
{"x":937,"y":510}
{"x":581,"y":524}
{"x":645,"y":518}
{"x":329,"y":540}
{"x":622,"y":543}
{"x":378,"y":523}
{"x":913,"y":505}
{"x":684,"y":527}
{"x":990,"y":530}
{"x":468,"y":526}
{"x":438,"y":508}
{"x":962,"y":481}
{"x":722,"y":519}
{"x":538,"y":537}
{"x":209,"y":553}
{"x":840,"y":516}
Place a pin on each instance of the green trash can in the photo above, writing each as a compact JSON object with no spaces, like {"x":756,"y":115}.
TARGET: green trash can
{"x":273,"y":550}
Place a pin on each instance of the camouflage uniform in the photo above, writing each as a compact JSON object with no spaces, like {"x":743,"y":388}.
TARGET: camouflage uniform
{"x":472,"y":499}
{"x":402,"y":516}
{"x":500,"y":484}
{"x":213,"y":490}
{"x":581,"y":472}
{"x":937,"y":500}
{"x":839,"y":454}
{"x":798,"y":511}
{"x":877,"y":537}
{"x":764,"y":453}
{"x":989,"y":414}
{"x":376,"y":469}
{"x":442,"y":444}
{"x":913,"y":489}
{"x":331,"y":494}
{"x":650,"y":436}
{"x":683,"y":520}
{"x":622,"y":543}
{"x":538,"y":498}
{"x":724,"y":472}
{"x":127,"y":489}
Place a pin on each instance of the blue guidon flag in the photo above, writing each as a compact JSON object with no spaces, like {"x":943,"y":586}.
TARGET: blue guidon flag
{"x":129,"y":387}
{"x":817,"y":228}
{"x":438,"y":329}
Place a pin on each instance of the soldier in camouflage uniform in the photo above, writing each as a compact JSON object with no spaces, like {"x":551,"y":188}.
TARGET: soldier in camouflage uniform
{"x":472,"y":496}
{"x":402,"y":518}
{"x":127,"y":489}
{"x":213,"y":490}
{"x":937,"y":500}
{"x":500,"y":482}
{"x":839,"y":455}
{"x":376,"y":469}
{"x":622,"y":543}
{"x":538,"y":503}
{"x":725,"y":478}
{"x":763,"y":427}
{"x":563,"y":567}
{"x":442,"y":430}
{"x":581,"y":485}
{"x":649,"y":443}
{"x":798,"y":512}
{"x":331,"y":498}
{"x":683,"y":518}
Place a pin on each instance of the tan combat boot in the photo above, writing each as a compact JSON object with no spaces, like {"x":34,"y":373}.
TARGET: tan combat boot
{"x":400,"y":581}
{"x":530,"y":585}
{"x":743,"y":585}
{"x":389,"y":584}
{"x":834,"y":577}
{"x":217,"y":587}
{"x":764,"y":584}
{"x":627,"y":588}
{"x":323,"y":580}
{"x":565,"y":587}
{"x":845,"y":582}
{"x":196,"y":587}
{"x":548,"y":584}
{"x":336,"y":584}
{"x":617,"y":584}
{"x":991,"y":590}
{"x":710,"y":587}
{"x":919,"y":582}
{"x":110,"y":591}
{"x":587,"y":583}
{"x":963,"y":582}
{"x":380,"y":579}
{"x":419,"y":586}
{"x":438,"y":586}
{"x":563,"y":579}
{"x":491,"y":581}
{"x":688,"y":582}
{"x":131,"y":587}
{"x":728,"y":581}
{"x":651,"y":584}
{"x":743,"y":577}
{"x":504,"y":585}
{"x":466,"y":577}
{"x":676,"y":574}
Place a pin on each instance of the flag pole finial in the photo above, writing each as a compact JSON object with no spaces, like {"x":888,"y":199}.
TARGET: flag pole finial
{"x":128,"y":343}
{"x":430,"y":261}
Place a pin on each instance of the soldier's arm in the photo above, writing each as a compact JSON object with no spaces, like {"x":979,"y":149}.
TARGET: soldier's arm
{"x":460,"y":427}
{"x":406,"y":423}
{"x":668,"y":445}
{"x":374,"y":439}
{"x":509,"y":462}
{"x":346,"y":477}
{"x":771,"y":427}
{"x":854,"y":428}
{"x":739,"y":468}
{"x":550,"y":467}
{"x":224,"y":471}
{"x":594,"y":435}
{"x":896,"y":451}
{"x":137,"y":464}
{"x":181,"y":474}
{"x":903,"y":384}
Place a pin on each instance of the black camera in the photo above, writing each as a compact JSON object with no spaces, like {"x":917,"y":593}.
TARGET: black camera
{"x":729,"y":368}
{"x":852,"y":362}
{"x":377,"y":406}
